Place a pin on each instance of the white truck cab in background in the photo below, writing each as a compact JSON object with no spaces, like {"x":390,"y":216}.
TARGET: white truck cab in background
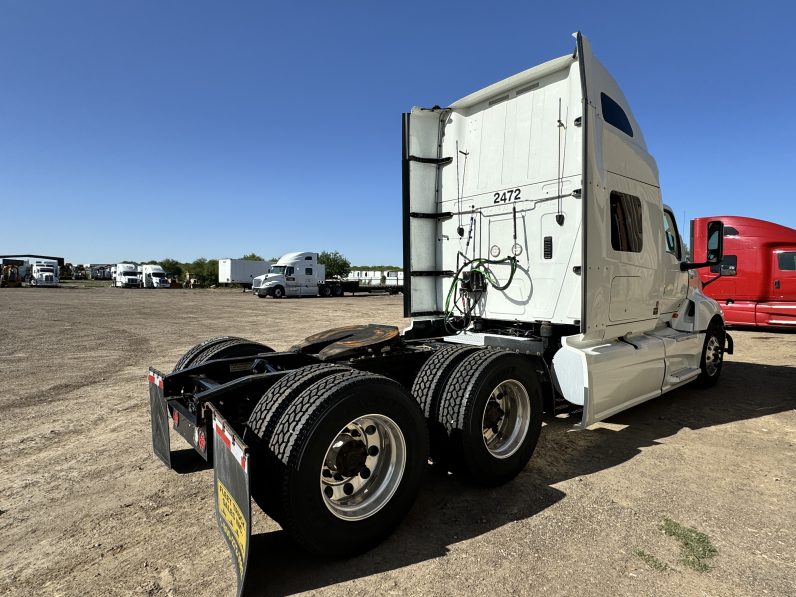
{"x":43,"y":273}
{"x":127,"y":276}
{"x":153,"y":276}
{"x":295,"y":274}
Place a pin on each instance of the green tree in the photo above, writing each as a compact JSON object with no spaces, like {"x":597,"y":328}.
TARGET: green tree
{"x":171,"y":266}
{"x":336,"y":264}
{"x":252,"y":257}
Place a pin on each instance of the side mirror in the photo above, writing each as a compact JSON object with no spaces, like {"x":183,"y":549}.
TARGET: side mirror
{"x":714,"y":251}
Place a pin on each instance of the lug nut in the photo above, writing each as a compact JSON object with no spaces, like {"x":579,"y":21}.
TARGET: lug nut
{"x":364,"y":473}
{"x":372,"y":451}
{"x":328,"y":491}
{"x":348,"y":489}
{"x":370,"y":429}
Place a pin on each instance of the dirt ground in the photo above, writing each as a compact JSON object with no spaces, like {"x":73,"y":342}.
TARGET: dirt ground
{"x":86,"y":509}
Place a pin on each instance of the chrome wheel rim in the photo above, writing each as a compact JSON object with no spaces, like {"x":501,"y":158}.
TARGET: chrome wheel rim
{"x":363,"y":467}
{"x":713,"y":356}
{"x":506,"y":418}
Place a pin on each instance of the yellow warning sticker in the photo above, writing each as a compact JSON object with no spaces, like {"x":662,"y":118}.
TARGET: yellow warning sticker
{"x":235,"y":523}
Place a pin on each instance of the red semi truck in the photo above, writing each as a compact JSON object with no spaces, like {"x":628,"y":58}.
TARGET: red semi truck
{"x":756,"y":282}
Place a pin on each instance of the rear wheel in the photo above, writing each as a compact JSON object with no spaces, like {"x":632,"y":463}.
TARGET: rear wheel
{"x":427,"y":390}
{"x":337,"y":290}
{"x":326,"y":291}
{"x":352,"y":449}
{"x":220,"y":347}
{"x":492,"y":411}
{"x":263,"y":420}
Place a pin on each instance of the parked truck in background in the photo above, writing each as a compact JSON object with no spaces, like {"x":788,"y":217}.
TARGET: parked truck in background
{"x":10,"y":274}
{"x":43,"y":274}
{"x":127,"y":276}
{"x":241,"y":271}
{"x":153,"y":276}
{"x":300,"y":274}
{"x":559,"y":285}
{"x":756,"y":282}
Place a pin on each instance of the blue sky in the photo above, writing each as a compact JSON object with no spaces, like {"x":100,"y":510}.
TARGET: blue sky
{"x":152,"y":129}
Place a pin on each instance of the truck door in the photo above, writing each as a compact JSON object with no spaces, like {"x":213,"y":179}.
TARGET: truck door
{"x":292,"y":285}
{"x":309,"y":287}
{"x":675,"y":282}
{"x":783,"y":284}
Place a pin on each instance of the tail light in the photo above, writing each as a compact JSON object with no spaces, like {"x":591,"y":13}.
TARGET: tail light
{"x":175,"y":415}
{"x":201,"y":440}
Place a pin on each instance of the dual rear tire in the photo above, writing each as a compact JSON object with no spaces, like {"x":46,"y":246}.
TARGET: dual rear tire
{"x":342,"y":455}
{"x":484,"y":411}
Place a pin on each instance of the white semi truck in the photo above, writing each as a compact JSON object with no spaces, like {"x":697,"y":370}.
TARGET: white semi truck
{"x":241,"y":271}
{"x":128,"y":275}
{"x":153,"y":276}
{"x":43,"y":274}
{"x":542,"y":273}
{"x":300,"y":274}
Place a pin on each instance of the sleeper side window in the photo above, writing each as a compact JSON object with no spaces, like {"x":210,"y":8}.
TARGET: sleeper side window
{"x":614,"y":115}
{"x":728,"y":264}
{"x":307,"y":271}
{"x":626,"y":222}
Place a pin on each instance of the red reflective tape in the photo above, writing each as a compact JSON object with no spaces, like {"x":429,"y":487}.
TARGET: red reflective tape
{"x":223,"y":436}
{"x":243,"y":463}
{"x":160,"y":382}
{"x":151,"y":378}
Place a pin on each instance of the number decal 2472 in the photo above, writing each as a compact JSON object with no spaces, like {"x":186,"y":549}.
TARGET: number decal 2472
{"x":507,"y":196}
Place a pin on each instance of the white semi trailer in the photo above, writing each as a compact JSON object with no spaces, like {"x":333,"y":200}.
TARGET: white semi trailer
{"x":542,"y":272}
{"x":241,"y":271}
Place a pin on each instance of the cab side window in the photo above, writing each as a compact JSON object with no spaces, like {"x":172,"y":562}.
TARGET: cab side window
{"x":307,"y":271}
{"x":787,"y":261}
{"x":289,"y":271}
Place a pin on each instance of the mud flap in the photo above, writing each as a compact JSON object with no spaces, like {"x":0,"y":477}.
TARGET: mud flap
{"x":231,"y":463}
{"x":159,"y":414}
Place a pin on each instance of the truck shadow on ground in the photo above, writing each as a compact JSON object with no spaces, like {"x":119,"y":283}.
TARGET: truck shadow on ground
{"x":449,"y":511}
